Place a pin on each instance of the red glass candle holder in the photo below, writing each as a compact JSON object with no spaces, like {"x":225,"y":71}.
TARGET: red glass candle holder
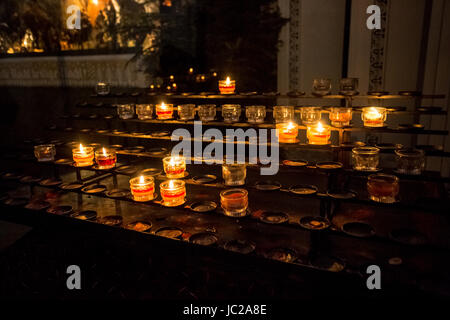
{"x":105,"y":158}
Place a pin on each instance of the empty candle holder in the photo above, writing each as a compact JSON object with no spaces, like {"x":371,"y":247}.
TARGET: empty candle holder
{"x":227,"y":86}
{"x":366,"y":158}
{"x":321,"y":87}
{"x":234,"y":202}
{"x":125,"y":111}
{"x":349,"y":86}
{"x":164,"y":111}
{"x":173,"y":192}
{"x":83,"y":156}
{"x":186,"y":111}
{"x":144,"y":111}
{"x":374,"y":116}
{"x":174,"y":167}
{"x":340,"y":117}
{"x":102,"y":89}
{"x":255,"y":114}
{"x":283,"y":113}
{"x":142,"y":188}
{"x":45,"y":152}
{"x":105,"y":158}
{"x":410,"y":161}
{"x":318,"y":134}
{"x":310,"y":115}
{"x":231,"y":112}
{"x":207,"y":112}
{"x":287,"y":132}
{"x":383,"y":187}
{"x":234,"y":174}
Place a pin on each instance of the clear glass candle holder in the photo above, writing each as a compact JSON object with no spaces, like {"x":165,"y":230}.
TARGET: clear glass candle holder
{"x":318,"y":134}
{"x":125,"y":111}
{"x":45,"y":152}
{"x":231,"y":112}
{"x":102,"y":89}
{"x":186,"y":111}
{"x":234,"y":174}
{"x":287,"y":132}
{"x":207,"y":112}
{"x":227,"y":86}
{"x":174,"y":167}
{"x":310,"y":115}
{"x":374,"y":116}
{"x":173,"y":192}
{"x":83,"y":156}
{"x":255,"y":114}
{"x":105,"y":158}
{"x":321,"y":87}
{"x":340,"y":117}
{"x":144,"y":111}
{"x":142,"y":188}
{"x":164,"y":111}
{"x":410,"y":161}
{"x":383,"y":187}
{"x":366,"y":158}
{"x":234,"y":202}
{"x":348,"y":86}
{"x":283,"y":113}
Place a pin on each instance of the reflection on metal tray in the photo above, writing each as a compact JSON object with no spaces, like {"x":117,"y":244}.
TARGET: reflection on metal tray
{"x":89,"y":215}
{"x":140,"y":226}
{"x":358,"y":229}
{"x":268,"y":185}
{"x":204,"y":179}
{"x":170,"y":232}
{"x":241,"y":246}
{"x":204,"y":238}
{"x":314,"y":223}
{"x":118,"y":193}
{"x":63,"y":210}
{"x":271,"y":217}
{"x":203,"y":206}
{"x":95,"y":188}
{"x":113,"y":220}
{"x":282,"y":254}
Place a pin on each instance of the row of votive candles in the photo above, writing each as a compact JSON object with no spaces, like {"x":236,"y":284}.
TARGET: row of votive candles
{"x":339,"y":116}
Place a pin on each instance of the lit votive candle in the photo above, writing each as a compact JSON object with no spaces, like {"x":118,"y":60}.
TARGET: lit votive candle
{"x":83,"y":156}
{"x":173,"y":192}
{"x":374,"y":116}
{"x":234,"y":202}
{"x":174,"y":167}
{"x":340,"y":117}
{"x":142,"y":188}
{"x":105,"y":158}
{"x":227,"y":86}
{"x":318,"y":134}
{"x":287,"y":132}
{"x":164,"y":111}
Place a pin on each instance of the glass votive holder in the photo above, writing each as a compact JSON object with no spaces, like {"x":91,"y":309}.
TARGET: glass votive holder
{"x":186,"y":111}
{"x":231,"y":112}
{"x":207,"y":112}
{"x":105,"y":158}
{"x":318,"y":134}
{"x":310,"y":115}
{"x":234,"y":202}
{"x":164,"y":111}
{"x":410,"y":161}
{"x":234,"y":174}
{"x":144,"y":111}
{"x":102,"y":89}
{"x":283,"y":113}
{"x":287,"y":132}
{"x":227,"y":86}
{"x":340,"y":116}
{"x":83,"y":156}
{"x":45,"y":152}
{"x":125,"y":111}
{"x":348,"y":86}
{"x":173,"y":192}
{"x":174,"y":167}
{"x":321,"y":87}
{"x":374,"y":116}
{"x":383,"y":187}
{"x":142,"y":188}
{"x":255,"y":114}
{"x":366,"y":158}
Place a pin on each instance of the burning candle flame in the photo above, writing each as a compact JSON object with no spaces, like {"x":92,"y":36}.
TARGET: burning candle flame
{"x":81,"y":148}
{"x":227,"y":82}
{"x":320,"y":127}
{"x":141,"y":179}
{"x":104,"y":152}
{"x":171,"y":184}
{"x":290,"y":126}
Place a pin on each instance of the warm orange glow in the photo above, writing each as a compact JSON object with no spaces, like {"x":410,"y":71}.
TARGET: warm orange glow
{"x":81,"y":148}
{"x":141,"y":179}
{"x":104,"y":152}
{"x":191,"y":70}
{"x":227,"y":82}
{"x":320,"y":127}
